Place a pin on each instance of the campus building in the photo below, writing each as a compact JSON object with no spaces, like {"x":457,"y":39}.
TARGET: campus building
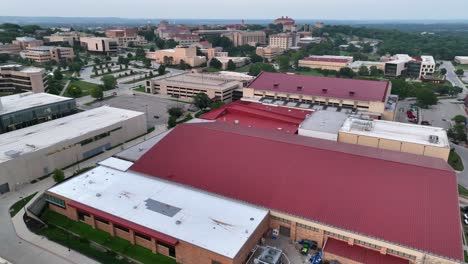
{"x":403,"y":64}
{"x":67,"y":38}
{"x":269,"y":53}
{"x":27,"y":42}
{"x":270,"y":175}
{"x":355,"y":66}
{"x":288,"y":23}
{"x":252,"y":38}
{"x":176,"y":56}
{"x":186,"y":85}
{"x":238,"y":61}
{"x":126,"y":36}
{"x":372,"y":97}
{"x":166,"y":31}
{"x":17,"y":78}
{"x":326,"y":62}
{"x":461,"y":59}
{"x":36,"y":151}
{"x":27,"y":109}
{"x":186,"y":39}
{"x":284,"y":40}
{"x":43,"y":54}
{"x":99,"y":45}
{"x":10,"y":48}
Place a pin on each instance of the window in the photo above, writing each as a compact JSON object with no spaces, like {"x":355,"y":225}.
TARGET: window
{"x":215,"y":262}
{"x":102,"y":220}
{"x":101,"y":136}
{"x":331,"y":234}
{"x":308,"y":227}
{"x":122,"y":228}
{"x":369,"y":245}
{"x":86,"y":141}
{"x":280,"y":219}
{"x":54,"y":200}
{"x":143,"y":236}
{"x":81,"y":215}
{"x":172,"y":252}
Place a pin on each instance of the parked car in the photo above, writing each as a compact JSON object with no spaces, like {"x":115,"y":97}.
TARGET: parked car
{"x":466,"y":221}
{"x":466,"y":216}
{"x":425,"y":123}
{"x":306,"y":245}
{"x":465,"y":209}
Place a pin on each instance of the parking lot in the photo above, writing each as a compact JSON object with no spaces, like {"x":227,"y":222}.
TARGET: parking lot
{"x":437,"y":115}
{"x":153,"y":106}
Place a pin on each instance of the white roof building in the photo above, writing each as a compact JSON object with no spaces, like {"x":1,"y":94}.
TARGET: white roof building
{"x":190,"y":215}
{"x":23,"y":101}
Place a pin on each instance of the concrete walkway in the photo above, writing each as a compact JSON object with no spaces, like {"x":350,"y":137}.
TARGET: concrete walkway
{"x":65,"y":87}
{"x":462,"y":176}
{"x":19,"y":245}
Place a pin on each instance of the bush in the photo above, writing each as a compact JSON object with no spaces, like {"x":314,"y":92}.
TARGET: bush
{"x":75,"y":91}
{"x":172,"y":122}
{"x":175,"y":111}
{"x":58,"y":176}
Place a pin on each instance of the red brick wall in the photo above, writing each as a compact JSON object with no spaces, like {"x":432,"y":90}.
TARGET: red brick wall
{"x":104,"y":227}
{"x":252,"y":241}
{"x":187,"y":253}
{"x":143,"y":242}
{"x":122,"y":234}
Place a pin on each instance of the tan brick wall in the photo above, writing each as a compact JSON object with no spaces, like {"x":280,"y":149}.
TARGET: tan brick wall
{"x":390,"y":144}
{"x":368,"y":141}
{"x":187,"y":253}
{"x":243,"y":254}
{"x":302,"y":233}
{"x":143,"y":242}
{"x":122,"y":234}
{"x":69,"y":212}
{"x":163,"y":250}
{"x":412,"y":148}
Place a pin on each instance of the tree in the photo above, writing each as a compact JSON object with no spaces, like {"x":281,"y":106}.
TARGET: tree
{"x":283,"y":62}
{"x":454,"y":91}
{"x":443,"y":71}
{"x":231,"y":66}
{"x":152,"y":49}
{"x":183,"y":65}
{"x":130,"y":56}
{"x":147,"y":62}
{"x":58,"y":75}
{"x":76,"y":66}
{"x":425,"y":98}
{"x":97,"y":92}
{"x":254,"y":58}
{"x":108,"y":58}
{"x":109,"y":82}
{"x":215,"y":63}
{"x":75,"y":91}
{"x":4,"y":57}
{"x":459,"y":119}
{"x":170,"y":44}
{"x":256,"y":68}
{"x":58,"y":176}
{"x":457,"y":133}
{"x":201,"y":100}
{"x":175,"y":111}
{"x":97,"y":60}
{"x":460,"y":72}
{"x":363,"y":71}
{"x":55,"y":87}
{"x":346,"y":72}
{"x":162,"y":69}
{"x":172,"y":122}
{"x":374,"y":71}
{"x":216,"y":104}
{"x":109,"y":70}
{"x":140,"y":54}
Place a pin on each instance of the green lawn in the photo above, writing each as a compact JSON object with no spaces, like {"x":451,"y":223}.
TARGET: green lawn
{"x":86,"y":232}
{"x":86,"y":87}
{"x":311,"y":73}
{"x":141,"y":88}
{"x":461,"y":66}
{"x":462,"y":191}
{"x":455,"y":161}
{"x":15,"y":208}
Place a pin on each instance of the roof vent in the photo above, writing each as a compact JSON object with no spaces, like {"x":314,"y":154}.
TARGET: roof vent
{"x":351,"y":93}
{"x":276,"y":85}
{"x":178,"y":222}
{"x":324,"y":90}
{"x":300,"y":87}
{"x":434,"y":139}
{"x":236,"y":122}
{"x":98,"y":195}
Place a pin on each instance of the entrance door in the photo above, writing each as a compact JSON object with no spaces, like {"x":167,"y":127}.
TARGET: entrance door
{"x":285,"y":231}
{"x":4,"y":188}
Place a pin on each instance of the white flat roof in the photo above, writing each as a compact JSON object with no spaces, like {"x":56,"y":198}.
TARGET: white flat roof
{"x":115,"y":163}
{"x":397,"y":131}
{"x":44,"y":135}
{"x":325,"y":121}
{"x":23,"y":101}
{"x":428,"y":59}
{"x":217,"y":224}
{"x":21,"y":68}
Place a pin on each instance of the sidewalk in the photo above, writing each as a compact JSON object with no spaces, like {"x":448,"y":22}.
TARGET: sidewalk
{"x":69,"y":256}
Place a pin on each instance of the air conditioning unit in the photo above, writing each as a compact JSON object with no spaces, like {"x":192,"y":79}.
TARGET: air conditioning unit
{"x":434,"y":139}
{"x":269,"y":255}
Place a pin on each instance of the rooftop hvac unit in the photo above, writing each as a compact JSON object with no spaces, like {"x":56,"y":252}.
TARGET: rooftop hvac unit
{"x":434,"y":139}
{"x":363,"y":125}
{"x":269,"y":255}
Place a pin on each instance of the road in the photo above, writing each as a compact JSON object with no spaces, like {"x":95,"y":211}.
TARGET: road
{"x":462,"y":176}
{"x":453,"y":78}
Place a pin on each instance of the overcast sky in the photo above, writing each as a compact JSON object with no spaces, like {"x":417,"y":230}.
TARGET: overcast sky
{"x":247,"y":9}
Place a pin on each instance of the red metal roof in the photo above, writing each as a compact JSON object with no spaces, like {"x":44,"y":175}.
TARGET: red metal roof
{"x":398,"y":197}
{"x":124,"y":223}
{"x":325,"y":59}
{"x":360,"y":254}
{"x":313,"y":85}
{"x":258,"y":115}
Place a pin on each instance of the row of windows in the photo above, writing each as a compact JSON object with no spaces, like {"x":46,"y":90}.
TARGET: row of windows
{"x":122,"y":228}
{"x":369,"y":245}
{"x":54,"y":200}
{"x":307,"y":227}
{"x":280,"y":219}
{"x":143,"y":236}
{"x":401,"y":254}
{"x":98,"y":137}
{"x":101,"y":220}
{"x":336,"y":235}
